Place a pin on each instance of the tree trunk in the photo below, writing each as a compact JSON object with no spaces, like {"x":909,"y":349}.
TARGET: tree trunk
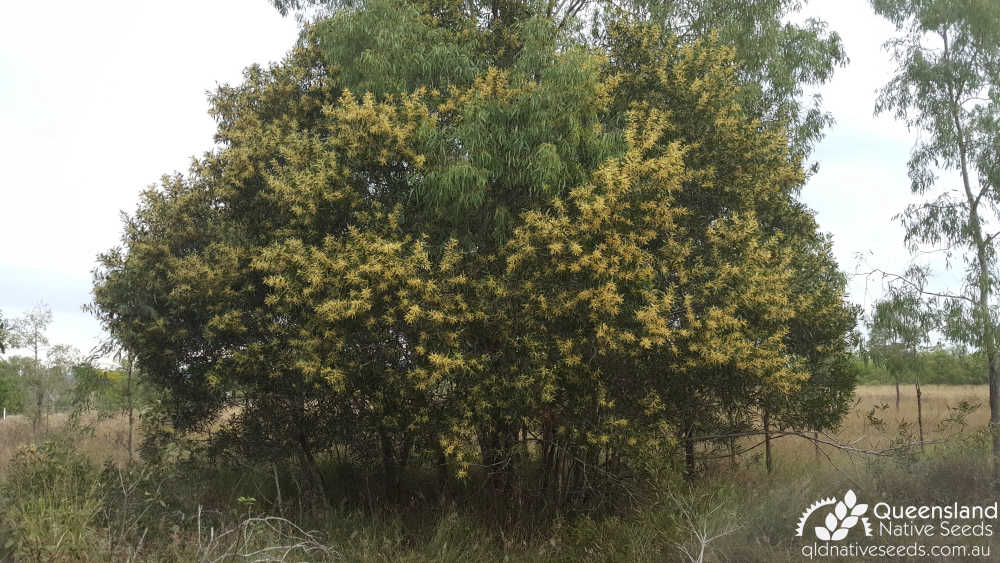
{"x":496,"y":445}
{"x":549,"y":450}
{"x":391,"y":480}
{"x":995,"y":417}
{"x":441,"y":459}
{"x":768,"y":462}
{"x":732,"y":453}
{"x":897,"y":392}
{"x":131,"y":418}
{"x":689,"y":465}
{"x":983,"y":305}
{"x":920,"y":415}
{"x":36,"y":418}
{"x":314,"y":481}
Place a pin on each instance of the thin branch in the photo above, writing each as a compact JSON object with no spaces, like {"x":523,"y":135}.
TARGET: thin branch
{"x":915,"y":285}
{"x":828,"y":441}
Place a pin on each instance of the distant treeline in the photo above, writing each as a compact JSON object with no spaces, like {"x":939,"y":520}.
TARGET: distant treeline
{"x":940,"y":366}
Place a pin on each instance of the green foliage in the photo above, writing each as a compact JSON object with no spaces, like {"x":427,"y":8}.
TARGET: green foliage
{"x":29,"y":330}
{"x":957,"y":416}
{"x":946,"y":87}
{"x":108,"y":392}
{"x":50,"y":501}
{"x":95,"y":388}
{"x":522,"y":239}
{"x":947,"y":54}
{"x":935,"y":367}
{"x":390,"y":48}
{"x":42,"y":382}
{"x":37,"y":388}
{"x":776,"y":58}
{"x":899,"y":330}
{"x":12,"y":392}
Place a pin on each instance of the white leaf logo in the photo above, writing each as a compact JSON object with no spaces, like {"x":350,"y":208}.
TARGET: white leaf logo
{"x":831,"y":522}
{"x":840,"y":510}
{"x":838,"y":522}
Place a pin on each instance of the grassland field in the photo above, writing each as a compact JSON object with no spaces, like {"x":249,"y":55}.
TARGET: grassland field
{"x":221,"y":518}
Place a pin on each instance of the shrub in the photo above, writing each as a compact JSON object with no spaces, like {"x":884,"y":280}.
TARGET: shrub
{"x":51,"y":500}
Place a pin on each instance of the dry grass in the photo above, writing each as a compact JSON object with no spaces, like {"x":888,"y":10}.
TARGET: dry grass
{"x":109,"y":438}
{"x":107,"y":441}
{"x":765,"y":504}
{"x":15,"y":432}
{"x":878,"y":402}
{"x":937,"y":403}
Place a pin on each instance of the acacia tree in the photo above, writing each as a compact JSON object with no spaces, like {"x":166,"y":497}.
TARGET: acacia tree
{"x":946,"y":87}
{"x":521,"y":235}
{"x":821,"y":333}
{"x":775,"y":58}
{"x":815,"y":290}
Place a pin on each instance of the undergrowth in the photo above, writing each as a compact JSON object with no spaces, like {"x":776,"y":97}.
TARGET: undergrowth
{"x":61,"y":506}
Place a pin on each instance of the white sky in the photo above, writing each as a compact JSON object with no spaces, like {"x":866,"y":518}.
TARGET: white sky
{"x":99,"y":99}
{"x":862,"y":181}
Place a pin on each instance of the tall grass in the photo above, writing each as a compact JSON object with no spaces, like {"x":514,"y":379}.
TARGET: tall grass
{"x":71,"y":496}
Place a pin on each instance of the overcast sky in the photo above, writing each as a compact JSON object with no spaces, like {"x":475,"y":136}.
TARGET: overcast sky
{"x":99,"y":99}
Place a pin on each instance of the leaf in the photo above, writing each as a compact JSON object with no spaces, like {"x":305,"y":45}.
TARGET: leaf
{"x":839,"y":534}
{"x":831,"y":522}
{"x":849,"y":522}
{"x":840,"y":510}
{"x":850,"y":499}
{"x":822,"y":533}
{"x":859,"y":509}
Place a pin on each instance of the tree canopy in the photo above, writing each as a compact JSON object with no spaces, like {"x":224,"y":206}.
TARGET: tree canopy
{"x":776,"y":57}
{"x":441,"y":240}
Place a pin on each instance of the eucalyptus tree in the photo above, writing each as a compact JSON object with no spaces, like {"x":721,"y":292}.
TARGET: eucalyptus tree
{"x":121,"y":390}
{"x":50,"y":384}
{"x":900,"y":329}
{"x":29,"y":332}
{"x":4,"y":334}
{"x":946,"y":87}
